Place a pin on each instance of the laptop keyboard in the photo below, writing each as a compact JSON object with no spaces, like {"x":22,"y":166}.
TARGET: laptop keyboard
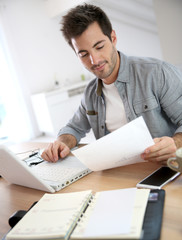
{"x":60,"y":171}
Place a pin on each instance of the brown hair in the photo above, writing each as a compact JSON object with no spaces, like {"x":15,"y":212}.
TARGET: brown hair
{"x":77,"y":20}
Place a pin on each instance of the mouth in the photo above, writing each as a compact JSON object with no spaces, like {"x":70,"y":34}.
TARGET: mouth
{"x":99,"y":67}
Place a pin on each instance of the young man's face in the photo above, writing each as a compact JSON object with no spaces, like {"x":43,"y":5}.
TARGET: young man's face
{"x":98,"y":53}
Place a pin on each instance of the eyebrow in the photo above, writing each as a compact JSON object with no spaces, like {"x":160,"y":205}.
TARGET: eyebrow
{"x":97,"y":43}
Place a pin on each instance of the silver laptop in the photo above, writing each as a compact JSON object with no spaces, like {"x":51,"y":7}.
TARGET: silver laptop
{"x":39,"y":174}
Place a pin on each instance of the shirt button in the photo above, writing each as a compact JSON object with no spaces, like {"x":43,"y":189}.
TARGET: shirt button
{"x":102,"y":127}
{"x":145,"y":107}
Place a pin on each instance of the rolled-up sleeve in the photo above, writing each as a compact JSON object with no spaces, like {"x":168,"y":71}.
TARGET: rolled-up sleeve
{"x":78,"y":125}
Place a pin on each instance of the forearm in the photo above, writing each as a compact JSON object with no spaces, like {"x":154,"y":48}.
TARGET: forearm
{"x":68,"y":139}
{"x":178,"y":139}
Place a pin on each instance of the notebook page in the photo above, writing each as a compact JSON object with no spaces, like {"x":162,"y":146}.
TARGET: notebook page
{"x":140,"y":204}
{"x":111,"y":214}
{"x":138,"y":214}
{"x":52,"y":217}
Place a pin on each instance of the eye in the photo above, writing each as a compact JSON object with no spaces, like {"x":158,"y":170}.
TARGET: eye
{"x":83,"y":54}
{"x":99,"y":47}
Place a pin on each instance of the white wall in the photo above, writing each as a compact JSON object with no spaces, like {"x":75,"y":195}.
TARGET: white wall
{"x":169,"y":22}
{"x":40,"y":53}
{"x":135,"y":24}
{"x":39,"y":48}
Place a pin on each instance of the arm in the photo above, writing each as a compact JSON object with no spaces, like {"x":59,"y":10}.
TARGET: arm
{"x":171,"y":101}
{"x":68,"y":136}
{"x":59,"y":148}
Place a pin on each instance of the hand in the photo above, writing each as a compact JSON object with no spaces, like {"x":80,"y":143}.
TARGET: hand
{"x":55,"y":150}
{"x":163,"y":149}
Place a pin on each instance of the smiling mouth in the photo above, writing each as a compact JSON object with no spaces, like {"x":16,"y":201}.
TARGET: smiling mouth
{"x":99,"y":67}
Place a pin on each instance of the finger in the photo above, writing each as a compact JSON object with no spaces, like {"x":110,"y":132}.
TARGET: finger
{"x":47,"y":154}
{"x":154,"y":147}
{"x":158,"y":142}
{"x":56,"y":149}
{"x":163,"y":146}
{"x":44,"y":156}
{"x":159,"y":159}
{"x":64,"y":150}
{"x":161,"y":154}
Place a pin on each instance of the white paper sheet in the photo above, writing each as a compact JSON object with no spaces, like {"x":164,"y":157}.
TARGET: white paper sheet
{"x":112,"y":214}
{"x":121,"y":147}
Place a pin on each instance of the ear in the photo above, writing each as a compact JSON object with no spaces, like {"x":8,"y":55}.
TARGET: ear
{"x":113,"y":37}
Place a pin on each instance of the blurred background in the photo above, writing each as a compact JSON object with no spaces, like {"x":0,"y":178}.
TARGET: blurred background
{"x":41,"y":79}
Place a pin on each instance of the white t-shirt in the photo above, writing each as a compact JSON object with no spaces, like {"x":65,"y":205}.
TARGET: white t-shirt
{"x":115,"y":112}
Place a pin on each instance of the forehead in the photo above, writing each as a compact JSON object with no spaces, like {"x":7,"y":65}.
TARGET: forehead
{"x":88,"y":38}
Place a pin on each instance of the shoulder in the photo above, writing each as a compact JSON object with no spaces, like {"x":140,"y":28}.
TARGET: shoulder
{"x":146,"y":62}
{"x":139,"y":68}
{"x":139,"y":63}
{"x":146,"y":66}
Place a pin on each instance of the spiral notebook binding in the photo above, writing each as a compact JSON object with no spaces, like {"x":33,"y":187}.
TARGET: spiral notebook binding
{"x":84,"y":217}
{"x":85,"y":207}
{"x":76,"y":217}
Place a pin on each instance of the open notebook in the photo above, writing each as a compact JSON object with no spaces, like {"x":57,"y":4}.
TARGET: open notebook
{"x":45,"y":176}
{"x":114,"y":214}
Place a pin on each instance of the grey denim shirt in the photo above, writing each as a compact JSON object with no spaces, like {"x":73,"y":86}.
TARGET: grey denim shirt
{"x":148,"y":87}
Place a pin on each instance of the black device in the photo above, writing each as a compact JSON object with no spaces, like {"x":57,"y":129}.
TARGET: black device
{"x":158,"y":178}
{"x":18,"y":215}
{"x":153,"y":215}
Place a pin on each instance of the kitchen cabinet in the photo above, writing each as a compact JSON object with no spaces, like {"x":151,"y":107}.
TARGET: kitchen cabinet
{"x":53,"y":109}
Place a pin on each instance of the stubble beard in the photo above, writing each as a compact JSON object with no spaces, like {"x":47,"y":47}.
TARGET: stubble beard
{"x":110,"y":65}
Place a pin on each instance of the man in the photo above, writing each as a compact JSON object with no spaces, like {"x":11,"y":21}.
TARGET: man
{"x":124,"y":89}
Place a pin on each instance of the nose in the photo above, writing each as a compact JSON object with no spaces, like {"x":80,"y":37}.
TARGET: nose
{"x":94,"y":59}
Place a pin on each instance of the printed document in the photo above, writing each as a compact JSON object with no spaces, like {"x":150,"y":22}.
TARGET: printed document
{"x":121,"y":147}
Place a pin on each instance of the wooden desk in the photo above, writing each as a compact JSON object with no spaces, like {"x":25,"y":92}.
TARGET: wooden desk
{"x":13,"y":197}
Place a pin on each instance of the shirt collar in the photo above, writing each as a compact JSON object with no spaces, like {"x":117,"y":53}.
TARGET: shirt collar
{"x":123,"y":74}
